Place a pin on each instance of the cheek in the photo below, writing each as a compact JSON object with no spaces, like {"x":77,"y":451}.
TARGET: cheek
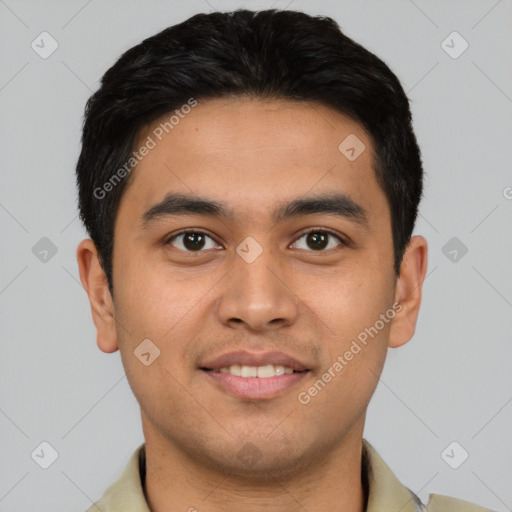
{"x":356,"y":347}
{"x":149,"y":307}
{"x":157,"y":303}
{"x":352,"y":299}
{"x":358,"y":310}
{"x":154,"y":299}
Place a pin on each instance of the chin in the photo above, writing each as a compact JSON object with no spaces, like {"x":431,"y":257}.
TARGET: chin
{"x":256,"y":458}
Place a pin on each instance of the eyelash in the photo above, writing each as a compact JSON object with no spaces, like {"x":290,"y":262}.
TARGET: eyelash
{"x":312,"y":230}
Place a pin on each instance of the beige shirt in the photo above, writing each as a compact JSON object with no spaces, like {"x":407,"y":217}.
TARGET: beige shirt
{"x":385,"y":492}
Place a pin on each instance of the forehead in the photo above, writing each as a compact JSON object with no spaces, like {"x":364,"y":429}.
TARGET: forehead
{"x":251,"y":152}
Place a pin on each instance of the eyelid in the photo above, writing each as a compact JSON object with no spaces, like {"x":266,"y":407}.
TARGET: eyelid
{"x":170,"y":238}
{"x":343,"y":240}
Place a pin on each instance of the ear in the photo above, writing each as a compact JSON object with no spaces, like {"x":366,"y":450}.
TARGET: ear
{"x":95,"y":284}
{"x":408,"y":291}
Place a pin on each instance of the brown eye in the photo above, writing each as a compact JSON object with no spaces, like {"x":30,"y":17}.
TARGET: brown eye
{"x":192,"y":241}
{"x":318,"y":240}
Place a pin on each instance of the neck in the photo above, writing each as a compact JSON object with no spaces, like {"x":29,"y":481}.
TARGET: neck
{"x":175,"y":481}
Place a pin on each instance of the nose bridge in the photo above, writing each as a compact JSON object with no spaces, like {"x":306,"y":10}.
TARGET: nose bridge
{"x":255,"y":294}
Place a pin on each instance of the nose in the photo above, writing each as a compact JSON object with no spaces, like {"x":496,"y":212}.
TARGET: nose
{"x":257,"y":297}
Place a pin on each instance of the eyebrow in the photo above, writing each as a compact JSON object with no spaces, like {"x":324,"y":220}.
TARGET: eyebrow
{"x":338,"y":204}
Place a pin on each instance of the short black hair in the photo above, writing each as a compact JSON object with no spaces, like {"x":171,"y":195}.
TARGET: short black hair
{"x":269,"y":54}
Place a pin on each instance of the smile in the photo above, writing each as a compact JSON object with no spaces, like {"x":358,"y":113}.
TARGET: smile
{"x":262,"y":372}
{"x":255,"y":382}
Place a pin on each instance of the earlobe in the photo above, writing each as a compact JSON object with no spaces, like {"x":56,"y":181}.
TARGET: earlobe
{"x":94,"y":281}
{"x":408,"y":290}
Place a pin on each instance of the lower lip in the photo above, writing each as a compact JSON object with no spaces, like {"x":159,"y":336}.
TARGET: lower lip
{"x":255,"y":388}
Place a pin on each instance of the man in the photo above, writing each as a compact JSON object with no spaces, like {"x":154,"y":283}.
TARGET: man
{"x":250,"y":182}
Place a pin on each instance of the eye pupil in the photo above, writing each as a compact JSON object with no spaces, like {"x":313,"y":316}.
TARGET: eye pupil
{"x":193,"y":241}
{"x":317,"y":240}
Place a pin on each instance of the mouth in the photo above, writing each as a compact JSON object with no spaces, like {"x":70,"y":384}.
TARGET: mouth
{"x":261,"y":372}
{"x":255,"y":382}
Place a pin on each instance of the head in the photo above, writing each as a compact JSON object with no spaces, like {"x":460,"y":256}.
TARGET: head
{"x":251,"y":130}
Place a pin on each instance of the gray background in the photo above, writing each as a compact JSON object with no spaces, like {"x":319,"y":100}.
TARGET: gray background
{"x":452,"y":382}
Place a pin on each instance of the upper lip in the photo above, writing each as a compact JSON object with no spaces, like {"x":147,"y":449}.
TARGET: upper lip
{"x":245,"y":358}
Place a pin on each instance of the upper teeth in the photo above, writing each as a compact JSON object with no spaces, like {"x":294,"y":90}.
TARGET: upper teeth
{"x":269,"y":370}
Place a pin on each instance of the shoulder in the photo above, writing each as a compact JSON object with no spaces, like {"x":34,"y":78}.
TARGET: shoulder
{"x":439,"y":503}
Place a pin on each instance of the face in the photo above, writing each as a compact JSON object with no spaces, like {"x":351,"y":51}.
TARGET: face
{"x":287,"y":261}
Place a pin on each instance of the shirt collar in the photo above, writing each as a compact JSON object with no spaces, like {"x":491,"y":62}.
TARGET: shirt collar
{"x":385,"y":492}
